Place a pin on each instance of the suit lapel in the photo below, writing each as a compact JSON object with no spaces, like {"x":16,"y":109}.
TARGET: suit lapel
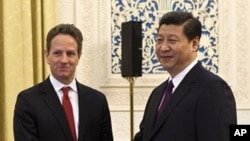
{"x":177,"y":96}
{"x":155,"y":105}
{"x":83,"y":109}
{"x":175,"y":99}
{"x":51,"y":99}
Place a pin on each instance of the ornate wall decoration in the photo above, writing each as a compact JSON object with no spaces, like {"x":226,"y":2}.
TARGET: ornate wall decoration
{"x":148,"y":12}
{"x":207,"y":13}
{"x":140,"y":10}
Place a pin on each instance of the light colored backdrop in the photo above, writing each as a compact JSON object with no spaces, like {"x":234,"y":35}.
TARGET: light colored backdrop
{"x":94,"y":19}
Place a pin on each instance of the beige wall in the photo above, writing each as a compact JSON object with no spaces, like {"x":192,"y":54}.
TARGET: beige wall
{"x":93,"y":17}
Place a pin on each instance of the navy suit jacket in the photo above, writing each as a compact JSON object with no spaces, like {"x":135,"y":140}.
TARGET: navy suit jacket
{"x":39,"y":115}
{"x":201,"y":109}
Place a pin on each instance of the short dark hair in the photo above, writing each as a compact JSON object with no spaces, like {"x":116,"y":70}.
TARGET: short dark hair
{"x":192,"y":26}
{"x":67,"y":29}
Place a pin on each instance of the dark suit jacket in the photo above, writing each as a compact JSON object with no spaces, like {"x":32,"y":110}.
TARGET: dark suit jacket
{"x":39,"y":116}
{"x":201,"y":109}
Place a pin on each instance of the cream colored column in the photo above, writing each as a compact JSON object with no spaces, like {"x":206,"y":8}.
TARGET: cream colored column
{"x":234,"y":52}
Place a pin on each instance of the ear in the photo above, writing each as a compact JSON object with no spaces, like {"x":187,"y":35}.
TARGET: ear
{"x":195,"y":43}
{"x":79,"y":55}
{"x":46,"y":54}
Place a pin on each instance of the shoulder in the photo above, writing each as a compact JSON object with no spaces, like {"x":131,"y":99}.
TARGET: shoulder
{"x":29,"y":96}
{"x":204,"y":81}
{"x":202,"y":75}
{"x":208,"y":77}
{"x":31,"y":90}
{"x":89,"y":91}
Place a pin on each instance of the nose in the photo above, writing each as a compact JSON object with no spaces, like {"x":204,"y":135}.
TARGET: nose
{"x":64,"y":58}
{"x":164,"y":46}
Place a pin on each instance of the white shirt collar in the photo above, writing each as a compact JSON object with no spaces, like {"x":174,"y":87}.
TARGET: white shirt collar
{"x":58,"y":85}
{"x":179,"y":77}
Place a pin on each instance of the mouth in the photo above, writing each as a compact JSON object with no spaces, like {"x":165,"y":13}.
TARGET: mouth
{"x":62,"y":68}
{"x":166,"y":56}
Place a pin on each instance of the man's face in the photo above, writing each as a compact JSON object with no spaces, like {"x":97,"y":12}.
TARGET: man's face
{"x":63,"y":57}
{"x":173,"y":49}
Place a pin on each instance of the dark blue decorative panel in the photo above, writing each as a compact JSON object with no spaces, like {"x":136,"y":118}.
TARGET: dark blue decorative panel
{"x":148,"y":12}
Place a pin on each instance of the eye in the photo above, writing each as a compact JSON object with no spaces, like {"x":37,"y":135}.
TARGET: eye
{"x":158,"y":40}
{"x":71,"y":53}
{"x":172,"y":41}
{"x":57,"y":53}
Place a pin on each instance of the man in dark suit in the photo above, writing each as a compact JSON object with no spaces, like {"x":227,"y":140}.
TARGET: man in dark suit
{"x":45,"y":112}
{"x":201,"y":105}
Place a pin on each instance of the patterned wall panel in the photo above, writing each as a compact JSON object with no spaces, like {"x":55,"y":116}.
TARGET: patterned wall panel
{"x":148,"y":12}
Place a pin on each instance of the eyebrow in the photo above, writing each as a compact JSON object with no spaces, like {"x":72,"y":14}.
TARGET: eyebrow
{"x":169,"y":35}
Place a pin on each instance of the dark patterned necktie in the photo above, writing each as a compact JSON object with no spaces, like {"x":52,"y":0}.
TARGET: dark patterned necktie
{"x":166,"y":97}
{"x":69,"y":111}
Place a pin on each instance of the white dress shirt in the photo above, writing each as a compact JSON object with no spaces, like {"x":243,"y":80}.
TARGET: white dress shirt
{"x":73,"y":96}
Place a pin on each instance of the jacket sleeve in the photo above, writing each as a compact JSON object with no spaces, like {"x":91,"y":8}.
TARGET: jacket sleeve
{"x":107,"y":134}
{"x":24,"y":124}
{"x":216,"y":111}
